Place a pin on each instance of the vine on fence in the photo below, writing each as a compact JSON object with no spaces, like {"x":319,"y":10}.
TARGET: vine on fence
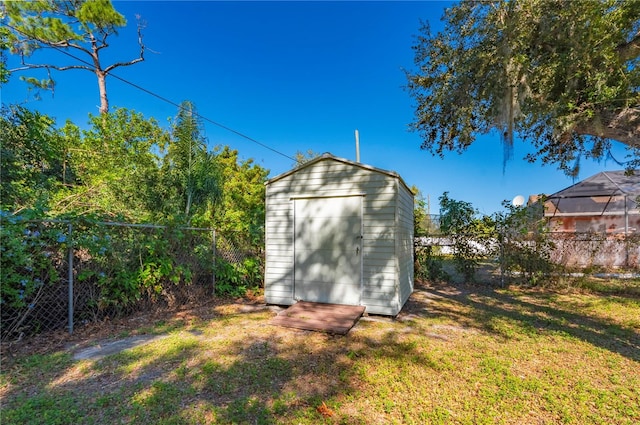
{"x":116,"y":269}
{"x":28,"y":264}
{"x":27,"y":261}
{"x":525,"y":242}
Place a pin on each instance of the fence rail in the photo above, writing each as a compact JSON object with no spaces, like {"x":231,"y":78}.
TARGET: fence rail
{"x":57,"y":274}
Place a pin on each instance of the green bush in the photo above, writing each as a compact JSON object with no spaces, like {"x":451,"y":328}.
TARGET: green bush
{"x":228,"y":279}
{"x":30,"y":257}
{"x":114,"y":267}
{"x":471,"y":236}
{"x":235,"y":279}
{"x":429,"y":265}
{"x":525,"y":242}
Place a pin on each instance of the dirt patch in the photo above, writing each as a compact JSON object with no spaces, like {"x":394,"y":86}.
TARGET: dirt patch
{"x":106,"y":348}
{"x":133,"y":326}
{"x":100,"y":338}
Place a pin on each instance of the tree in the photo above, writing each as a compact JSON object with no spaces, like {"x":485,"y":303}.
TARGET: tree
{"x":112,"y":168}
{"x":524,"y":237}
{"x":32,"y":158}
{"x":4,"y":47}
{"x":243,"y":200}
{"x":561,"y":74}
{"x":78,"y":26}
{"x":421,"y":217}
{"x":191,"y":173}
{"x":304,"y":157}
{"x":116,"y":166}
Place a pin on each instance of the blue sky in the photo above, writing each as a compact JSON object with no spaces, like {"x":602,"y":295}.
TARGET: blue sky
{"x":297,"y":76}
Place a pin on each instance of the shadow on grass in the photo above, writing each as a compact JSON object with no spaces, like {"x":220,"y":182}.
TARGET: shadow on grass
{"x":236,"y":368}
{"x":233,"y":369}
{"x":533,"y":314}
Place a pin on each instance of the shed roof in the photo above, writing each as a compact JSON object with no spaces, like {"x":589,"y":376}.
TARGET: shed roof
{"x":605,"y":192}
{"x":327,"y":156}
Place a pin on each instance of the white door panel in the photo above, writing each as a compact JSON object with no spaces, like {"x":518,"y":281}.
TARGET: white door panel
{"x":328,"y":249}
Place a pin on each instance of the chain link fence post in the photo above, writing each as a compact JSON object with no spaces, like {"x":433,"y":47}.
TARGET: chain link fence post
{"x":213,"y":272}
{"x":70,"y":275}
{"x":502,"y":236}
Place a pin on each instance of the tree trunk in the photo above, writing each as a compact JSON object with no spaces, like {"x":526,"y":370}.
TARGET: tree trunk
{"x":187,"y":209}
{"x":622,"y":125}
{"x":102,"y":86}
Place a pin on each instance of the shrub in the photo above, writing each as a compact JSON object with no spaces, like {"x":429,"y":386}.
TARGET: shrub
{"x":526,"y":247}
{"x":429,"y":265}
{"x":471,"y":236}
{"x":29,"y":259}
{"x":234,"y":279}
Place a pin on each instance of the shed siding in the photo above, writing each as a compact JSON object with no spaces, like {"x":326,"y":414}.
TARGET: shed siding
{"x":278,"y":274}
{"x":405,"y":243}
{"x":382,"y":292}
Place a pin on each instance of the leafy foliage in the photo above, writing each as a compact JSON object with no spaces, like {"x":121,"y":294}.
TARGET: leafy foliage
{"x":4,"y":47}
{"x":421,"y":220}
{"x":190,"y":173}
{"x":429,"y":264}
{"x":241,"y":213}
{"x":116,"y":166}
{"x":470,"y":235}
{"x":122,"y":167}
{"x":519,"y":237}
{"x":228,"y":280}
{"x":115,"y":268}
{"x":32,"y":157}
{"x":303,"y":157}
{"x":526,"y":246}
{"x":561,"y":74}
{"x":27,"y":260}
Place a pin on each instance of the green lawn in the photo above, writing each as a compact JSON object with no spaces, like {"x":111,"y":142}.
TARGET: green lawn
{"x":457,"y":354}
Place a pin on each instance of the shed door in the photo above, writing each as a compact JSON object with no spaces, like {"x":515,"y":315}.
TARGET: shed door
{"x":328,"y":249}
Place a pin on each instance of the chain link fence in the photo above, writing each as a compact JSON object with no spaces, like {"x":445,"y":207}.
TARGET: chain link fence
{"x":593,"y":250}
{"x":530,"y":255}
{"x":59,"y":274}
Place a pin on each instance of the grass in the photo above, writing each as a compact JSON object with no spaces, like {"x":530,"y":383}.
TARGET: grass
{"x":457,"y":354}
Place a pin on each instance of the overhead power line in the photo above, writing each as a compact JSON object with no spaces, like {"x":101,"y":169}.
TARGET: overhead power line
{"x":164,"y":99}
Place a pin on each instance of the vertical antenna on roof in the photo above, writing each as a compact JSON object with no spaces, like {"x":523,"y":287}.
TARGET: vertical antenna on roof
{"x":357,"y":146}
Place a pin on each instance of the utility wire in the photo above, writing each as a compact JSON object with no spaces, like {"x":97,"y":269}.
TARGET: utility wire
{"x":224,"y":127}
{"x":164,"y":99}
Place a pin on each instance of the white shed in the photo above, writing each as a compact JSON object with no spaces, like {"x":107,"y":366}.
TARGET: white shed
{"x":339,"y":232}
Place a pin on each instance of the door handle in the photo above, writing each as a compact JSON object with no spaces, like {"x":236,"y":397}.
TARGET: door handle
{"x":357,"y":250}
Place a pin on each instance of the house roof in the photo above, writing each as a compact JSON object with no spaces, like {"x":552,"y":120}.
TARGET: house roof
{"x":607,"y":192}
{"x":606,"y":183}
{"x":327,"y":156}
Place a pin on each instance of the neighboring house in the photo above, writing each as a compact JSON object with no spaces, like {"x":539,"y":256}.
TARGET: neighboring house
{"x":339,"y":232}
{"x":605,"y":203}
{"x":597,"y":221}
